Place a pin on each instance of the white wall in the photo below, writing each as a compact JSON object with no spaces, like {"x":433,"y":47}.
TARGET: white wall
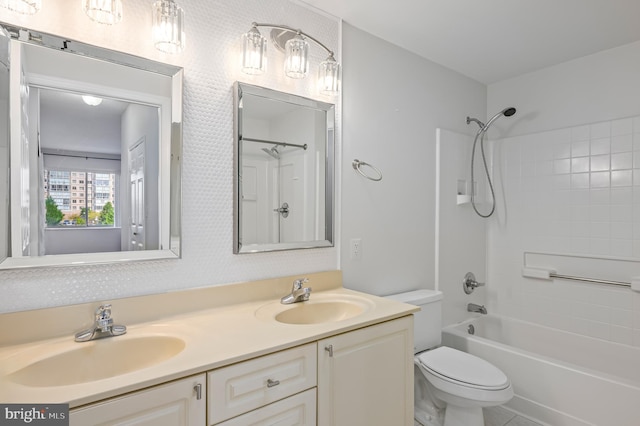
{"x":393,"y":102}
{"x":211,"y":64}
{"x":141,"y":121}
{"x":568,"y":167}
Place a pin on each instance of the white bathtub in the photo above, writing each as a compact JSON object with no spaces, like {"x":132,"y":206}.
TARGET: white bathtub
{"x":561,"y":378}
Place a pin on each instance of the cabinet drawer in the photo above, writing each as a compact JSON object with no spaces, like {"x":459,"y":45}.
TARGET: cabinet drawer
{"x":248,"y":385}
{"x":298,"y":410}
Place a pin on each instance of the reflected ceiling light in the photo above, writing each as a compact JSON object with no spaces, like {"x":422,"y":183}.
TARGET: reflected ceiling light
{"x":296,"y":48}
{"x":104,"y":11}
{"x":91,"y":100}
{"x":27,"y":7}
{"x":168,"y":26}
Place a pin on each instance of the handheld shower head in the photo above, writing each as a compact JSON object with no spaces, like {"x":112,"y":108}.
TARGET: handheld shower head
{"x":507,"y":112}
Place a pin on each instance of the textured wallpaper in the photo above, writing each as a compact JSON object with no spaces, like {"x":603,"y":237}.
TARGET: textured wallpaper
{"x":211,"y":64}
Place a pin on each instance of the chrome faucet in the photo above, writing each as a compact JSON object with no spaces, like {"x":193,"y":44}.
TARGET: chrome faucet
{"x":102,"y":327}
{"x":298,"y":292}
{"x":472,"y":307}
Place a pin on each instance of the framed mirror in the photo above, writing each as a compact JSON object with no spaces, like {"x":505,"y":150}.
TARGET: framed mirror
{"x":283,"y":171}
{"x":93,"y":152}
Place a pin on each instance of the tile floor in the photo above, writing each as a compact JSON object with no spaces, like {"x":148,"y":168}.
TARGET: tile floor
{"x":498,"y":416}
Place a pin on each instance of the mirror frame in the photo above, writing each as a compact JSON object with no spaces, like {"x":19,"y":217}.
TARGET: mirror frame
{"x":170,"y":182}
{"x":239,"y":89}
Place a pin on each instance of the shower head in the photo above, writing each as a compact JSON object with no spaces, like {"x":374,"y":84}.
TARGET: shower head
{"x":507,"y":112}
{"x":273,"y":152}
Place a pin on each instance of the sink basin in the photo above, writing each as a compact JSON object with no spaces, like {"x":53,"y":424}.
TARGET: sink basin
{"x":314,"y":313}
{"x":319,"y":309}
{"x":98,"y":359}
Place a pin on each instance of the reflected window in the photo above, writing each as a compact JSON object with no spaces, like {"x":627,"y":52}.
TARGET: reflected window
{"x":96,"y":206}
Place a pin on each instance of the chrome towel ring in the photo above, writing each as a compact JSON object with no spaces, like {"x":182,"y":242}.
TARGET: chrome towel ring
{"x":357,"y":164}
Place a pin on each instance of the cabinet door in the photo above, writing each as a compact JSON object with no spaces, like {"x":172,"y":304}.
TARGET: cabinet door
{"x":365,"y":377}
{"x":180,"y":403}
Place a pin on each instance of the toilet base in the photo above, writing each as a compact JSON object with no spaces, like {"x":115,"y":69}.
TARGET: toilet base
{"x":455,"y":415}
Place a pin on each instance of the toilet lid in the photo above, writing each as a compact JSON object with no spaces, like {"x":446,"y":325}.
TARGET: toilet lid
{"x":464,"y":368}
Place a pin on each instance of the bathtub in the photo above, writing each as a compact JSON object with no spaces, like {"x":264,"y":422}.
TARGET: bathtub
{"x":560,"y":378}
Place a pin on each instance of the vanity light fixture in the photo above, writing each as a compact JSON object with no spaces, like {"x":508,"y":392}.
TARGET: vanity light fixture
{"x":103,"y":11}
{"x":168,"y":26}
{"x":26,"y":7}
{"x":91,"y":100}
{"x":296,"y":59}
{"x":254,"y":52}
{"x":296,"y":48}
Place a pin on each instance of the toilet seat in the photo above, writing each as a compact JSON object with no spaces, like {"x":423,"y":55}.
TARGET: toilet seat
{"x":463,"y":369}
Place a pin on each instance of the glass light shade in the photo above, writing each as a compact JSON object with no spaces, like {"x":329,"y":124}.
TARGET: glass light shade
{"x":91,"y":100}
{"x":26,"y":7}
{"x":329,"y":76}
{"x":104,"y":11}
{"x":296,"y":61}
{"x":168,"y":26}
{"x":254,"y":52}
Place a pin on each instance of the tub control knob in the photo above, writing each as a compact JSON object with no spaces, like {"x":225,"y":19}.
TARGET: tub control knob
{"x":469,"y":284}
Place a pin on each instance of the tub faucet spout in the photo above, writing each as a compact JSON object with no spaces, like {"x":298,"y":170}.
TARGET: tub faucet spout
{"x":472,"y":307}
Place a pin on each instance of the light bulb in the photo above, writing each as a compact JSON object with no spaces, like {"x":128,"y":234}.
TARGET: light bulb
{"x":168,"y":26}
{"x":296,"y":63}
{"x":254,"y":52}
{"x":103,"y":11}
{"x":329,"y":76}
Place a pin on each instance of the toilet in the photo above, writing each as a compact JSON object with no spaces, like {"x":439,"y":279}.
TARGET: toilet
{"x":448,"y":380}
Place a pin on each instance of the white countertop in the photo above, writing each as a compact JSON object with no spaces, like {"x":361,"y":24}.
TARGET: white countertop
{"x":214,"y":338}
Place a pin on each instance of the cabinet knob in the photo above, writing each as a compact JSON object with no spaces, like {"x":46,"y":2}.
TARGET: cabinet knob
{"x":198,"y":389}
{"x":272,"y":383}
{"x":329,"y":349}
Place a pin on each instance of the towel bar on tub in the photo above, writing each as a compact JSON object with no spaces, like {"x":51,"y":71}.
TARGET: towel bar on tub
{"x":547,"y":274}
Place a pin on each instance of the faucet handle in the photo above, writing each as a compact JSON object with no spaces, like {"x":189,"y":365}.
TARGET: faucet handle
{"x":469,"y":284}
{"x":103,"y":316}
{"x":297,"y":284}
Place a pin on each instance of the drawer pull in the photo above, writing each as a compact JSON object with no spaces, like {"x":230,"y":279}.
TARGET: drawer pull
{"x":330,"y":350}
{"x":198,"y":389}
{"x":272,"y":383}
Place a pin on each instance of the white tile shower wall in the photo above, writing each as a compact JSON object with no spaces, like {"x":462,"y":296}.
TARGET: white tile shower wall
{"x":573,"y":191}
{"x":211,"y":63}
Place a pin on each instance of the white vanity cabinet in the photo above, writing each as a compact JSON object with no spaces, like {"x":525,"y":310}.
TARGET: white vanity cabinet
{"x":179,"y":403}
{"x":365,"y":377}
{"x":246,"y":386}
{"x":359,"y":378}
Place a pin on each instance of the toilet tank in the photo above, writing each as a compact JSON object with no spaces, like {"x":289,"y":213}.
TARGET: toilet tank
{"x":427,"y":324}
